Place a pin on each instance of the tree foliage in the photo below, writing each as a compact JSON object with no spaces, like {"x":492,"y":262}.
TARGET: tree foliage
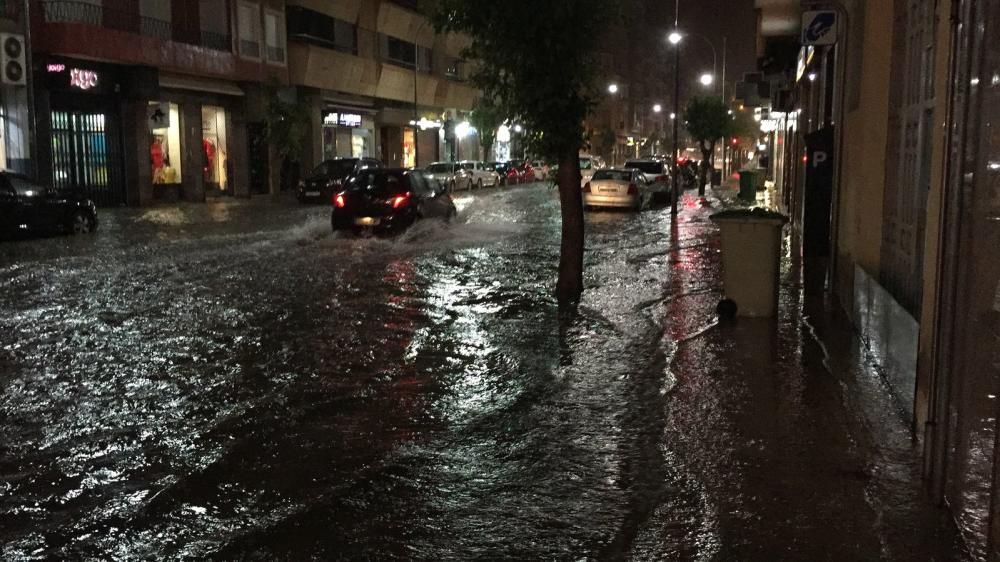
{"x":287,"y":123}
{"x":535,"y":61}
{"x":707,"y":120}
{"x":486,"y":118}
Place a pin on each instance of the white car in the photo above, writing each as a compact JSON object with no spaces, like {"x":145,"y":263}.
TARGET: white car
{"x":541,"y":170}
{"x":480,"y":175}
{"x":619,"y":188}
{"x":449,"y":174}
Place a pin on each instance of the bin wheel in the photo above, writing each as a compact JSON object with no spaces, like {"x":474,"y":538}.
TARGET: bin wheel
{"x":727,"y":309}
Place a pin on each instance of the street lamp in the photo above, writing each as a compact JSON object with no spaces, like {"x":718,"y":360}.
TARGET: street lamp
{"x":706,"y":79}
{"x":675,"y":37}
{"x":613,"y":88}
{"x":657,"y":108}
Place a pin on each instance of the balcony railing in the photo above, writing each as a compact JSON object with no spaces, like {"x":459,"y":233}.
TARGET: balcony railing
{"x":250,"y":48}
{"x":70,"y":11}
{"x":276,"y":54}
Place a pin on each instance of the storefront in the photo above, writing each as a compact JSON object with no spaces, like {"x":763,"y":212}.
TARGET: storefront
{"x":195,"y":149}
{"x":347,"y":133}
{"x":406,"y":142}
{"x":80,"y":128}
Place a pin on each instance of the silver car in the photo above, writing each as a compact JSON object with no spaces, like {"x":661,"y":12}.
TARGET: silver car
{"x":480,"y":174}
{"x":449,"y":174}
{"x":616,"y":188}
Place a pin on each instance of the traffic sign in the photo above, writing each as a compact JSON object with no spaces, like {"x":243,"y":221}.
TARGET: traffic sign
{"x":819,"y":27}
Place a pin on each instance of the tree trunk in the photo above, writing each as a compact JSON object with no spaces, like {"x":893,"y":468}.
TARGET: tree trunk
{"x":705,"y":163}
{"x":570,"y":284}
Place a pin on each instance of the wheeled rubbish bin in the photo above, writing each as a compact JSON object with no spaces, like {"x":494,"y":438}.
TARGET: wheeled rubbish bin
{"x":751,"y":254}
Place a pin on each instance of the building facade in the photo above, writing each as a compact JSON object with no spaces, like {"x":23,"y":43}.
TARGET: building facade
{"x":892,"y":168}
{"x":378,"y":81}
{"x":142,"y":101}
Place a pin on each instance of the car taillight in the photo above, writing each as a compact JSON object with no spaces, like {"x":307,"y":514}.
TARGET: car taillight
{"x":338,"y":201}
{"x":586,"y":188}
{"x":632,"y":189}
{"x":399,"y":200}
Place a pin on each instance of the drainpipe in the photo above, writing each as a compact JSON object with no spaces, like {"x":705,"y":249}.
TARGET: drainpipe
{"x":939,"y":385}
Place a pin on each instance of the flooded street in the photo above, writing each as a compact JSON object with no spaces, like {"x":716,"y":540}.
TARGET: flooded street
{"x":232,"y":381}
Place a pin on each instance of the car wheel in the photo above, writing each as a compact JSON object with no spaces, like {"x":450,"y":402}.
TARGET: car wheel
{"x":479,"y":184}
{"x":451,"y":187}
{"x":81,"y":223}
{"x":470,"y":185}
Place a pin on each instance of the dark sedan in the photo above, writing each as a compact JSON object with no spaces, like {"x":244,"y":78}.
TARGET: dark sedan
{"x":28,"y":207}
{"x":331,"y":176}
{"x":389,"y":201}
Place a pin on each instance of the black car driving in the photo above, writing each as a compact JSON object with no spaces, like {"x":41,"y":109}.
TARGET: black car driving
{"x":331,"y":176}
{"x":389,"y":201}
{"x":28,"y":207}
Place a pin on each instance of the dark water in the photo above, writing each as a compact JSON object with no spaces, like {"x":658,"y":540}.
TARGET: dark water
{"x":231,"y":381}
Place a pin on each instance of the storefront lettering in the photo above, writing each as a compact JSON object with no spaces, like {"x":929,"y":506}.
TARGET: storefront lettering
{"x":54,"y":68}
{"x":83,"y":79}
{"x":352,"y":120}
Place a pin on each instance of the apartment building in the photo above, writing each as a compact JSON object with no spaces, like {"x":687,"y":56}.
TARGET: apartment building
{"x":144,"y":100}
{"x":891,"y":175}
{"x":379,"y":82}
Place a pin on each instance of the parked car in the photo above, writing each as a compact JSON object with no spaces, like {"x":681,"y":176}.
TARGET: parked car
{"x":525,"y":171}
{"x":450,"y":174}
{"x":657,"y":177}
{"x":480,"y":173}
{"x":509,"y":174}
{"x":330,"y":176}
{"x":622,"y":188}
{"x":540,"y":169}
{"x":388,"y":201}
{"x":26,"y":206}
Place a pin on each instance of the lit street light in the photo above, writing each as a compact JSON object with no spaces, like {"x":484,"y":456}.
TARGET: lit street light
{"x":675,"y":37}
{"x":613,"y":89}
{"x":657,"y":108}
{"x":518,"y":128}
{"x":706,"y":79}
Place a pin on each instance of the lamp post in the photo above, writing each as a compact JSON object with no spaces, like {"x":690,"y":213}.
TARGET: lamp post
{"x":675,"y":39}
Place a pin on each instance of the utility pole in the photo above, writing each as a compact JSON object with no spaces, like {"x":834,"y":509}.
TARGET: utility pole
{"x":677,"y":111}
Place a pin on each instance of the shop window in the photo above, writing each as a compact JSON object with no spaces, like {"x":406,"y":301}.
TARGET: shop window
{"x":274,"y":36}
{"x":409,"y":149}
{"x":165,"y":148}
{"x":248,"y":20}
{"x":215,"y":161}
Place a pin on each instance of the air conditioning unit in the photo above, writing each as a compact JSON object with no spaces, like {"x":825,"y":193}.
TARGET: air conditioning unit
{"x":13,"y":60}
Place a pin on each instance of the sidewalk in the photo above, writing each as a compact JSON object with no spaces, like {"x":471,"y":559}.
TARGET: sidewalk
{"x":792,"y":435}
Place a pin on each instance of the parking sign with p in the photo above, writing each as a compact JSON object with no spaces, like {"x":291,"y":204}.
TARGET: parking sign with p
{"x":819,"y":27}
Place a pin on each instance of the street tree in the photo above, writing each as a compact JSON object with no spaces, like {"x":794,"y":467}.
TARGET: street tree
{"x":707,"y":120}
{"x":287,"y":124}
{"x":540,"y":70}
{"x":486,"y":118}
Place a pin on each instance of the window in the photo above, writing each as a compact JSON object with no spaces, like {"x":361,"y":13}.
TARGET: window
{"x":274,"y":36}
{"x":399,"y":52}
{"x":165,"y":145}
{"x":320,"y":29}
{"x":215,"y":164}
{"x":455,"y":69}
{"x":248,"y":20}
{"x":213,"y":16}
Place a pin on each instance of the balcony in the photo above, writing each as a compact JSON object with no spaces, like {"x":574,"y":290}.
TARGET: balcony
{"x":68,"y":11}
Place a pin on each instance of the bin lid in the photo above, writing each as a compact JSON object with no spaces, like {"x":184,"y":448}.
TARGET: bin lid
{"x":753,"y":214}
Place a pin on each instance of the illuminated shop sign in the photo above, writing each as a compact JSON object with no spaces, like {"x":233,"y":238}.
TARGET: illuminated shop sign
{"x":56,"y":67}
{"x":343,"y":119}
{"x":83,"y":79}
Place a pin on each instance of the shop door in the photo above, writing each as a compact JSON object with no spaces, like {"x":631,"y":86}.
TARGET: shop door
{"x":259,"y":163}
{"x":964,"y":461}
{"x":911,"y":119}
{"x":84,"y":157}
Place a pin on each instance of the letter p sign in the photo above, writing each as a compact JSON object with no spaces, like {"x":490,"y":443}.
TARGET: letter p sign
{"x":819,"y":158}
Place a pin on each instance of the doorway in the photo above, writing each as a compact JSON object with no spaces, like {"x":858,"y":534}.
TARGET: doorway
{"x":83,"y":159}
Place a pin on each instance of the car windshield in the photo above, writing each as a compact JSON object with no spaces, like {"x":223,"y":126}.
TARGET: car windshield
{"x":646,"y":167}
{"x":336,"y":168}
{"x":468,"y":165}
{"x":586,"y":164}
{"x":613,"y":175}
{"x":441,"y":168}
{"x":379,"y":183}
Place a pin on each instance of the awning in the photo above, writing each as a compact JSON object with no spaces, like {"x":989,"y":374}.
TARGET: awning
{"x":175,"y":82}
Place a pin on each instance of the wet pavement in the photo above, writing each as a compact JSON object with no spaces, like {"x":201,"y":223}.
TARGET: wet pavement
{"x":231,"y":381}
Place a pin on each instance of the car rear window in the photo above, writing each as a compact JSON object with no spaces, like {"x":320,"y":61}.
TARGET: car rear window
{"x":379,"y":183}
{"x":646,"y":167}
{"x":336,"y":168}
{"x":613,"y":175}
{"x":468,"y":165}
{"x":441,"y":168}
